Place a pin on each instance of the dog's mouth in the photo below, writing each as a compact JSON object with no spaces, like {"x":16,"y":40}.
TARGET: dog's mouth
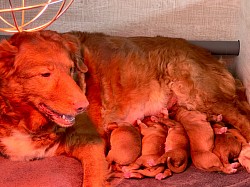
{"x":62,"y":120}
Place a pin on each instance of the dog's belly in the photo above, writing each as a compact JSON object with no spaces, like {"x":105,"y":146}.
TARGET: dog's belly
{"x":139,"y":108}
{"x":146,"y":109}
{"x":20,"y":147}
{"x":142,"y":110}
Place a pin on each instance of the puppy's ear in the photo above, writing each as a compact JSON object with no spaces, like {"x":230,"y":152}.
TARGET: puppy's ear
{"x":7,"y":57}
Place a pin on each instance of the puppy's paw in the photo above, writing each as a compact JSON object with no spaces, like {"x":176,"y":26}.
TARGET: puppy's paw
{"x":164,"y":112}
{"x":229,"y":168}
{"x":141,"y":124}
{"x":219,"y":118}
{"x":221,"y":130}
{"x":167,"y":173}
{"x":235,"y":165}
{"x":154,"y":119}
{"x":126,"y":169}
{"x":127,"y":175}
{"x":151,"y":162}
{"x":160,"y":176}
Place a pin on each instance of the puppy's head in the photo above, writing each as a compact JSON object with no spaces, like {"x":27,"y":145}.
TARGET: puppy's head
{"x":36,"y":69}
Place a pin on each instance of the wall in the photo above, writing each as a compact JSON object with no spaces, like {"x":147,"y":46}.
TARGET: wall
{"x":243,"y":61}
{"x":191,"y":19}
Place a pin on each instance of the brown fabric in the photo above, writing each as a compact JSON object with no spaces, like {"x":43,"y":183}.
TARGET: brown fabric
{"x":192,"y":177}
{"x":58,"y":171}
{"x":62,"y":171}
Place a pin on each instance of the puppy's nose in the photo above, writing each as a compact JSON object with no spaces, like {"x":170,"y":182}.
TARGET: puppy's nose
{"x":80,"y":106}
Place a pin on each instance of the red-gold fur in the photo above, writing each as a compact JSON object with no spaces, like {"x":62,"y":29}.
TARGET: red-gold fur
{"x":176,"y":147}
{"x":154,"y":136}
{"x":125,"y":145}
{"x":37,"y":92}
{"x":133,"y":77}
{"x":227,"y":148}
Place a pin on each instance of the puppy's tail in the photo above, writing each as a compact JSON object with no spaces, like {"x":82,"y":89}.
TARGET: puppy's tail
{"x":176,"y":160}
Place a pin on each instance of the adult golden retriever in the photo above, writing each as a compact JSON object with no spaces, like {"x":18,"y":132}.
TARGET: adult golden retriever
{"x":132,"y":77}
{"x":39,"y":98}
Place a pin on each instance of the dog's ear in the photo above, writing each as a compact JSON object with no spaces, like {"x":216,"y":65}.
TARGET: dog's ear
{"x":74,"y":46}
{"x":7,"y":57}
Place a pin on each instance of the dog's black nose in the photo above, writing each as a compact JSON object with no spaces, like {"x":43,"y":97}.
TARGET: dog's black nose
{"x":81,"y":106}
{"x":80,"y":110}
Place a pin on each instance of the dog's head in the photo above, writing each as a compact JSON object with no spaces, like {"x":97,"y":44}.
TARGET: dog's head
{"x":37,"y":69}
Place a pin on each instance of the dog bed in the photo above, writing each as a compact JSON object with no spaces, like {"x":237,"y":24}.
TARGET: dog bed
{"x":63,"y":171}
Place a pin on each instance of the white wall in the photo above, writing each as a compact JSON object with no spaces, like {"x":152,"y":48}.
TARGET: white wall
{"x":243,"y":61}
{"x":191,"y":19}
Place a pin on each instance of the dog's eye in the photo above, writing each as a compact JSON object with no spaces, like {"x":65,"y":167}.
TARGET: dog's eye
{"x":45,"y":74}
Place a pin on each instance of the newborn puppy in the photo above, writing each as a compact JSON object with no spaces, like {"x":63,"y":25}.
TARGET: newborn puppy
{"x":125,"y":142}
{"x":153,"y":140}
{"x":244,"y":156}
{"x":227,"y":148}
{"x":226,"y":145}
{"x":201,"y":147}
{"x":176,"y":146}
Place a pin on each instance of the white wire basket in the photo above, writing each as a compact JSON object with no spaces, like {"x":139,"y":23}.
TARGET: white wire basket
{"x":30,"y":15}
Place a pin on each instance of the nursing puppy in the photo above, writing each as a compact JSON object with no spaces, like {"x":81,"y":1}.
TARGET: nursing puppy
{"x":177,"y":151}
{"x":201,"y":146}
{"x":132,"y":77}
{"x":244,"y":156}
{"x":227,"y":148}
{"x":125,"y":144}
{"x":153,"y":139}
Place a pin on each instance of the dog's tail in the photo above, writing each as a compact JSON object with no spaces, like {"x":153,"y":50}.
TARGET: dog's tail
{"x":176,"y":160}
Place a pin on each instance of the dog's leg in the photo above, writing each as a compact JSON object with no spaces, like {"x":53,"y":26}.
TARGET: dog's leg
{"x":85,"y":144}
{"x":94,"y":164}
